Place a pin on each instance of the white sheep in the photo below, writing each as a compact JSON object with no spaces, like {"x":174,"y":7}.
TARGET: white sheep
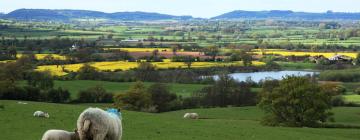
{"x":97,"y":124}
{"x":41,"y":114}
{"x":191,"y":116}
{"x":60,"y":135}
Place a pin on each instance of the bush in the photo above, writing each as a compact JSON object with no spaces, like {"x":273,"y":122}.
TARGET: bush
{"x":88,"y":72}
{"x":42,"y":80}
{"x":357,"y":91}
{"x":296,"y":102}
{"x":226,"y":91}
{"x":33,"y":93}
{"x":58,"y":95}
{"x":337,"y":101}
{"x":161,"y":97}
{"x":135,"y":99}
{"x":348,"y":75}
{"x":95,"y":94}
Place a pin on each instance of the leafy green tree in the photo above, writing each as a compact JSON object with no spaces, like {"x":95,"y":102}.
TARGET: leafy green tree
{"x":271,"y":65}
{"x":188,"y":60}
{"x":146,"y":72}
{"x":246,"y":58}
{"x":88,"y":72}
{"x":58,"y":95}
{"x":96,"y":94}
{"x":357,"y":59}
{"x":226,"y":91}
{"x":135,"y":99}
{"x":161,"y":96}
{"x":296,"y":102}
{"x":212,"y":51}
{"x":42,"y":80}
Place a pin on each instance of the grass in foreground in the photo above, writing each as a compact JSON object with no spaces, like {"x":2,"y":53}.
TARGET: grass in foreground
{"x":17,"y":123}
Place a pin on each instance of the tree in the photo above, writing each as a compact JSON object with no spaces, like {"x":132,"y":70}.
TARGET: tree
{"x":146,"y":72}
{"x":174,"y":49}
{"x":357,"y":59}
{"x":188,"y":61}
{"x":88,"y":72}
{"x":135,"y":99}
{"x":96,"y":94}
{"x":246,"y":58}
{"x":42,"y":80}
{"x":296,"y":102}
{"x":161,"y":97}
{"x":58,"y":95}
{"x":212,"y":51}
{"x":271,"y":65}
{"x":226,"y":91}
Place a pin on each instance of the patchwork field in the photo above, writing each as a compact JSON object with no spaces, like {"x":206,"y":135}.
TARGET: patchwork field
{"x":17,"y":123}
{"x":296,"y":53}
{"x":124,"y":65}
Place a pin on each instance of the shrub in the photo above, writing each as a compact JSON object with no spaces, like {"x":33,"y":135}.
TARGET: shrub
{"x":135,"y":99}
{"x":146,"y":72}
{"x":337,"y":101}
{"x":58,"y":95}
{"x":95,"y":94}
{"x":33,"y":93}
{"x":348,"y":75}
{"x":296,"y":102}
{"x":226,"y":91}
{"x":357,"y":91}
{"x":42,"y":80}
{"x":88,"y":72}
{"x":161,"y":97}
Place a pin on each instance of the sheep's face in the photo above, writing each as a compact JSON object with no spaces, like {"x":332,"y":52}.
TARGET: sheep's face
{"x":82,"y":135}
{"x":47,"y":115}
{"x":75,"y":135}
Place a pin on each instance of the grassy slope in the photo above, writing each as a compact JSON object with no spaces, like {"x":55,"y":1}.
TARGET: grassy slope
{"x":225,"y":124}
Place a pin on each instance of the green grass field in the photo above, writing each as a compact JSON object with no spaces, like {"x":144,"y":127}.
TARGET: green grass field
{"x":297,"y":65}
{"x":17,"y":123}
{"x":74,"y":87}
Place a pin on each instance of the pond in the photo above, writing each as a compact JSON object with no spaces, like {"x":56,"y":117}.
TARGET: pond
{"x":278,"y":75}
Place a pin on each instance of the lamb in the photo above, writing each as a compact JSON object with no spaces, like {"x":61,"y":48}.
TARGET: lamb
{"x":191,"y":116}
{"x":41,"y":114}
{"x":60,"y":135}
{"x":97,"y":124}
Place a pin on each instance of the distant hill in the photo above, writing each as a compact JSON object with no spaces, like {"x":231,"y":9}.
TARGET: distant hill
{"x":277,"y":14}
{"x":66,"y":15}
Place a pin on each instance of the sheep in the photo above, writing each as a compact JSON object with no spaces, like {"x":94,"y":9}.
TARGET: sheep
{"x":97,"y":124}
{"x":41,"y":114}
{"x":60,"y":135}
{"x":191,"y":116}
{"x":23,"y":103}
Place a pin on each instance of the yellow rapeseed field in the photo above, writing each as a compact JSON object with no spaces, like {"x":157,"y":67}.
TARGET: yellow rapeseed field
{"x":289,"y":53}
{"x":124,"y":65}
{"x":41,"y":56}
{"x":140,"y":49}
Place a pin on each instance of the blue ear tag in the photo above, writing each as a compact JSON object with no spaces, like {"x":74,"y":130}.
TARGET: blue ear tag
{"x":114,"y":112}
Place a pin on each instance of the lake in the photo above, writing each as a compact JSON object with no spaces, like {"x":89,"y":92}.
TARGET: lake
{"x":278,"y":75}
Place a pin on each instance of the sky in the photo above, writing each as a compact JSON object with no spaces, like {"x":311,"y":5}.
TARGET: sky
{"x":196,"y":8}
